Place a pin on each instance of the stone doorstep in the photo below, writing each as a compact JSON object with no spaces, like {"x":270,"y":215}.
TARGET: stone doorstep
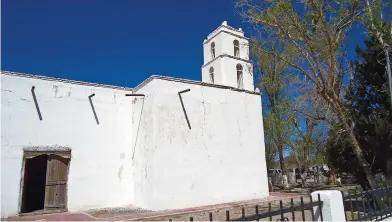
{"x":207,"y":208}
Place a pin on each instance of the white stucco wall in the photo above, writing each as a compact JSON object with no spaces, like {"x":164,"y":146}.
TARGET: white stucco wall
{"x":228,"y":46}
{"x":100,"y":166}
{"x":230,"y":73}
{"x":223,"y":37}
{"x":225,"y":27}
{"x":220,"y":159}
{"x":219,"y":77}
{"x":142,"y":151}
{"x":143,"y":137}
{"x":224,"y":42}
{"x":225,"y":71}
{"x":207,"y":48}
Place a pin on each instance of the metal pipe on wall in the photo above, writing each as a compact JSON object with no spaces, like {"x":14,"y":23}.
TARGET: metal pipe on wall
{"x":36,"y":103}
{"x":135,"y":95}
{"x":183,"y":107}
{"x":92,"y":107}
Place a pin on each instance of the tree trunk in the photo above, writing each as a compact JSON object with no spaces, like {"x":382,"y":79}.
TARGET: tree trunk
{"x":366,"y":168}
{"x":332,"y":177}
{"x":362,"y":161}
{"x":271,"y":186}
{"x":298,"y":166}
{"x":354,"y":142}
{"x":281,"y":161}
{"x":283,"y":168}
{"x":280,"y":144}
{"x":303,"y":179}
{"x":389,"y":152}
{"x":389,"y":168}
{"x":307,"y":162}
{"x":389,"y":161}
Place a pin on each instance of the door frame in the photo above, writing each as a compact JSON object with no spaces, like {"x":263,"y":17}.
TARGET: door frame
{"x":29,"y":153}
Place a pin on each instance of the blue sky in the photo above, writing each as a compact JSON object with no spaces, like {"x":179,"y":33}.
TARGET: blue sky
{"x":117,"y":42}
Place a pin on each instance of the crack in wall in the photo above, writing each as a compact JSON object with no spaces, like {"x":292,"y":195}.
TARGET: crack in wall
{"x":120,"y":172}
{"x":55,"y":87}
{"x":239,"y":127}
{"x":138,"y":125}
{"x":204,"y":118}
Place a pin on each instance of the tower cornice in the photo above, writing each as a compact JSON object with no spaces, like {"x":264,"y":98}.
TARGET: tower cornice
{"x":228,"y":56}
{"x":224,"y":31}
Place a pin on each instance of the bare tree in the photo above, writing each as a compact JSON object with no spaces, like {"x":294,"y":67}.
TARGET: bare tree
{"x":313,"y":33}
{"x":309,"y":140}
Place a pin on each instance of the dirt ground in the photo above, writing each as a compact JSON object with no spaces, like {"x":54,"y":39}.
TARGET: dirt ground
{"x":219,"y":212}
{"x":202,"y":213}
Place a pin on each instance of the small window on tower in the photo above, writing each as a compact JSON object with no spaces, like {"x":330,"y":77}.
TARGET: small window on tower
{"x":239,"y":77}
{"x":236,"y":48}
{"x":212,"y":50}
{"x":212,"y":74}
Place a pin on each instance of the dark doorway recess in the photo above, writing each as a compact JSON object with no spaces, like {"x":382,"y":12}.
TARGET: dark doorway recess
{"x":44,"y":185}
{"x":34,"y":184}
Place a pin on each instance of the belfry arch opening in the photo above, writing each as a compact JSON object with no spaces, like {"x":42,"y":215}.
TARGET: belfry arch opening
{"x":236,"y":48}
{"x":240,"y":81}
{"x":212,"y":80}
{"x":212,"y":50}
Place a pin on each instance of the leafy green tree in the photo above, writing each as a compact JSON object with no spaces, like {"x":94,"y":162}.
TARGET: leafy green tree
{"x":273,"y":82}
{"x":313,"y":35}
{"x":368,"y":100}
{"x":309,"y":143}
{"x":270,"y":145}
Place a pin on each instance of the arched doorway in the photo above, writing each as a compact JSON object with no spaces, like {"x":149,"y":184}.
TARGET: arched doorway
{"x":44,"y":186}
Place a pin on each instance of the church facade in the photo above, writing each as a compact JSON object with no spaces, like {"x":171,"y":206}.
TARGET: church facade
{"x":166,"y":144}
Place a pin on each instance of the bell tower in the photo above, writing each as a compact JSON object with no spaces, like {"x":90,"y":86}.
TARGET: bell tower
{"x":226,"y":58}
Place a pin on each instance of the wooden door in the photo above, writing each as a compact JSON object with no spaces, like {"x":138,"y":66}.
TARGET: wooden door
{"x":56,"y":183}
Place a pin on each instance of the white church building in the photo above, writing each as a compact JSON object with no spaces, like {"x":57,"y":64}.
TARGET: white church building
{"x":168,"y":143}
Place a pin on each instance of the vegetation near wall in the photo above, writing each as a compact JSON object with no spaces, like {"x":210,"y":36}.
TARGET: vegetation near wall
{"x":322,"y":105}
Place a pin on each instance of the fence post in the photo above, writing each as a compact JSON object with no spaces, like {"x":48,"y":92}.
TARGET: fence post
{"x":332,"y":207}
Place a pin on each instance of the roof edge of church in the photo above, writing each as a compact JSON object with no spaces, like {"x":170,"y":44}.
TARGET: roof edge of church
{"x":35,"y":76}
{"x":194,"y":82}
{"x":141,"y":85}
